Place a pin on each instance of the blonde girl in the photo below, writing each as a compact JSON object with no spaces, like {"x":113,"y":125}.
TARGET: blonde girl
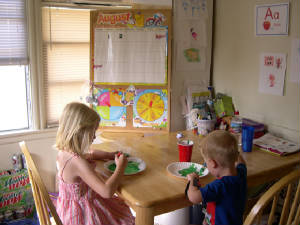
{"x":85,"y":198}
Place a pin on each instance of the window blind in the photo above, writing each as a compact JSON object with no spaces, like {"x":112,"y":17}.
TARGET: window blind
{"x":13,"y":38}
{"x":66,"y":43}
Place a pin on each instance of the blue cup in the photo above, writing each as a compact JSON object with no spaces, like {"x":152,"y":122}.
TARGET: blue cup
{"x":247,"y":138}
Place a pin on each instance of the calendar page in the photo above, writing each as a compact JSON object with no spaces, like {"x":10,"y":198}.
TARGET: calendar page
{"x":136,"y":56}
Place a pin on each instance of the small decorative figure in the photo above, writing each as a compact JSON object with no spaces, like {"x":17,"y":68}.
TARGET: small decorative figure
{"x":194,"y":34}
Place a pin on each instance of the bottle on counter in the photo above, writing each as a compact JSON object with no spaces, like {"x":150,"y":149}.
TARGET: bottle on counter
{"x":236,"y":125}
{"x":17,"y":162}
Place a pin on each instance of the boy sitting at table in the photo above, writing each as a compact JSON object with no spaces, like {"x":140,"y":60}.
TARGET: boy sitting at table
{"x":226,"y":196}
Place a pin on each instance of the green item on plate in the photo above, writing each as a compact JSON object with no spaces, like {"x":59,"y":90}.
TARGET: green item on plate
{"x":132,"y":167}
{"x":191,"y":169}
{"x":201,"y":171}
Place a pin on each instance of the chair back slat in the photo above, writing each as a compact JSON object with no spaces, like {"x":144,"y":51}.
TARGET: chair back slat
{"x":44,"y":209}
{"x":259,"y":217}
{"x":291,"y":210}
{"x":41,"y":197}
{"x":35,"y":195}
{"x":286,"y":205}
{"x":297,"y":217}
{"x":271,"y":216}
{"x":294,"y":205}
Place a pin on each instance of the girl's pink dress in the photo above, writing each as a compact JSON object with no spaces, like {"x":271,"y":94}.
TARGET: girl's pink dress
{"x":78,"y":204}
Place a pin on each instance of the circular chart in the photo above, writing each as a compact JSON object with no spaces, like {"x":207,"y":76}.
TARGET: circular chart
{"x":110,"y":108}
{"x":150,"y":106}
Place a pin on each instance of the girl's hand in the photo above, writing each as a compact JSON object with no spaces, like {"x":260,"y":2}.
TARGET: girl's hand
{"x":121,"y":160}
{"x":111,"y":155}
{"x":192,"y":176}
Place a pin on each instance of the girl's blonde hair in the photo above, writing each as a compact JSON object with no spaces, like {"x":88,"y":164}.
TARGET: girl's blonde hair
{"x":221,"y":146}
{"x":76,"y":128}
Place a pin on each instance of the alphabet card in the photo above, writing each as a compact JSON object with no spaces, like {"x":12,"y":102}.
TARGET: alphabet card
{"x":272,"y":19}
{"x":272,"y":73}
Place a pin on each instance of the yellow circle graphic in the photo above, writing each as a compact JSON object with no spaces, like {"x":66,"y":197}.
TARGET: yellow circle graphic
{"x":150,"y":106}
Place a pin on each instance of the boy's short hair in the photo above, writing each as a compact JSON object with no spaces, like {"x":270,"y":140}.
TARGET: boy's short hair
{"x":221,"y":146}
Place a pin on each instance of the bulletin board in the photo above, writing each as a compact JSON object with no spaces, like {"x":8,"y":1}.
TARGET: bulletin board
{"x":130,"y":67}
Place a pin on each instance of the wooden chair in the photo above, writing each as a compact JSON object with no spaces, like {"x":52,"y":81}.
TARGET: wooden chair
{"x":42,"y":199}
{"x":290,"y":214}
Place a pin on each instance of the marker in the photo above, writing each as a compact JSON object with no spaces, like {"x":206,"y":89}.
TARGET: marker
{"x":125,"y":154}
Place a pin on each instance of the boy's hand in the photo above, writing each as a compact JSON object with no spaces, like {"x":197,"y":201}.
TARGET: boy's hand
{"x":192,"y":176}
{"x":193,"y":192}
{"x":240,"y":160}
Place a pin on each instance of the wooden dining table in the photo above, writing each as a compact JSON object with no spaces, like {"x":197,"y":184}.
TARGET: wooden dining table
{"x":155,"y":191}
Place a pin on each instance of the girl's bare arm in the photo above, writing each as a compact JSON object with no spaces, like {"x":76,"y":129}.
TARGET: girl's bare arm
{"x":104,"y":188}
{"x":99,"y":155}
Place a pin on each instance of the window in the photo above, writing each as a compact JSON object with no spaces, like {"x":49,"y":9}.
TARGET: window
{"x":66,"y":43}
{"x":15,"y":97}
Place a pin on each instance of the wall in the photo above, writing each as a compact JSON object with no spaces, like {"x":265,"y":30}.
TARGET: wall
{"x":40,"y":145}
{"x":179,"y":76}
{"x":236,"y":52}
{"x":167,"y":3}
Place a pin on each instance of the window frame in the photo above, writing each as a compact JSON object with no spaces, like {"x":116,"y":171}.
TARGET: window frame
{"x":35,"y":91}
{"x":31,"y":74}
{"x":59,"y":42}
{"x":35,"y":53}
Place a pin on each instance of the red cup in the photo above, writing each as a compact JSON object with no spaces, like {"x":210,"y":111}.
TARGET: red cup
{"x":185,"y":148}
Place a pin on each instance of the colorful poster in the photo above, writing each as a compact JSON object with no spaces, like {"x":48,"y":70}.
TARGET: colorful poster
{"x":272,"y":19}
{"x":295,"y":61}
{"x":193,"y":32}
{"x":150,"y":108}
{"x":15,"y":192}
{"x":190,"y":58}
{"x":110,"y":107}
{"x":272,"y":73}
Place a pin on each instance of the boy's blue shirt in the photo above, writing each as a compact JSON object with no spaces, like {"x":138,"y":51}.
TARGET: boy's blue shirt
{"x":229,"y":194}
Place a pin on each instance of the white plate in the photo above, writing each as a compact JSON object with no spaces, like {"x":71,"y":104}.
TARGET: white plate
{"x":142,"y":165}
{"x":173,"y":168}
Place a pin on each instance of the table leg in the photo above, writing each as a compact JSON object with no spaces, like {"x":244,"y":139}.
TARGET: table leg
{"x":144,"y":216}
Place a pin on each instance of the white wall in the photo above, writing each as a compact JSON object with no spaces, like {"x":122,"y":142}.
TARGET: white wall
{"x":236,"y":52}
{"x":167,"y":3}
{"x":40,"y":145}
{"x":179,"y":77}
